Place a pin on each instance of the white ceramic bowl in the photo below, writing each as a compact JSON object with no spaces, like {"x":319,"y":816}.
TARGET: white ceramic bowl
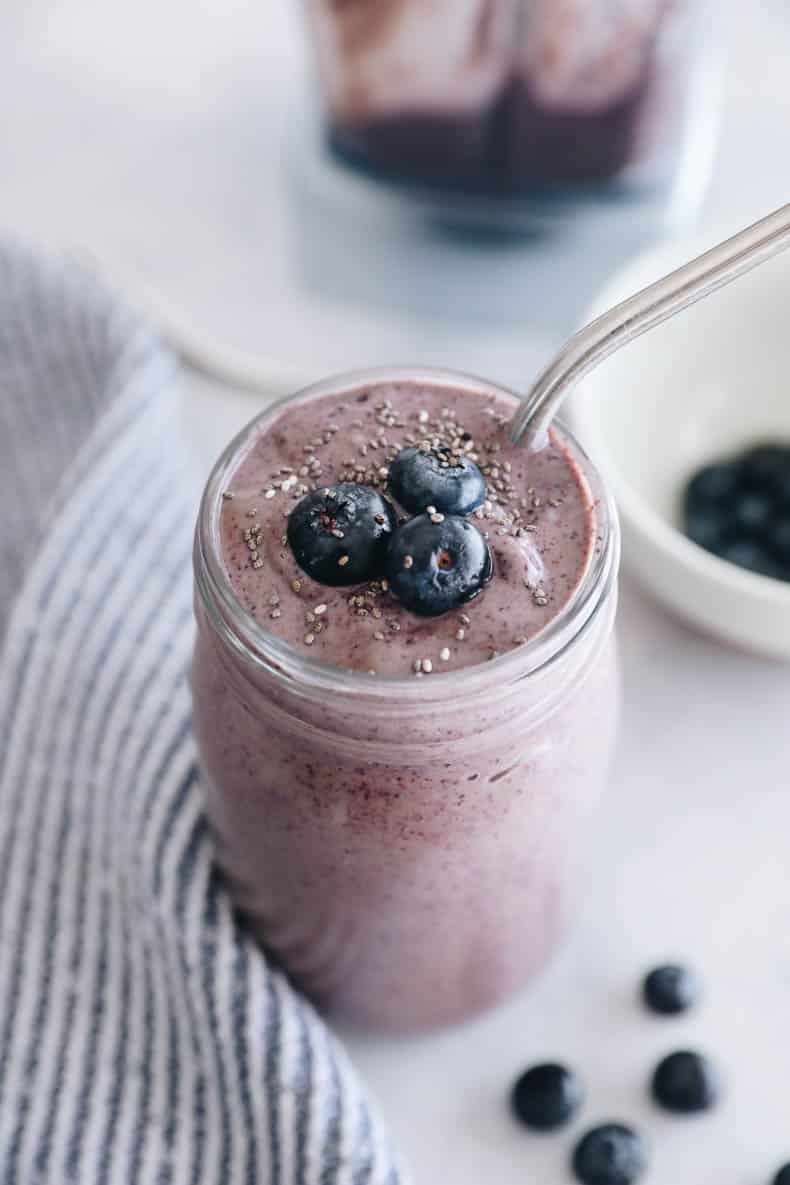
{"x":711,"y":381}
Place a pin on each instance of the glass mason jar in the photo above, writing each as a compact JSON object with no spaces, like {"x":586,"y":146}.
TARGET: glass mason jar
{"x":553,"y":103}
{"x":406,"y":848}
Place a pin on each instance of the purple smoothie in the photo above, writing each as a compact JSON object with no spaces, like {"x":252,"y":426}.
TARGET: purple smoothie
{"x":538,"y":518}
{"x":398,"y":799}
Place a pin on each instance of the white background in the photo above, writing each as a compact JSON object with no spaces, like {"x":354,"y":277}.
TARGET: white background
{"x":159,"y":136}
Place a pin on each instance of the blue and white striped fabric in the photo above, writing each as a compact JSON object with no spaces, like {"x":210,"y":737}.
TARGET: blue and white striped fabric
{"x":143,"y":1038}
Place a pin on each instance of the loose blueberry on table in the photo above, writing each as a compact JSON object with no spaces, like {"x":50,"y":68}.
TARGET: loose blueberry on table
{"x":670,"y":989}
{"x":740,"y":510}
{"x":783,"y":1176}
{"x":547,"y":1096}
{"x":339,"y":534}
{"x":438,"y":477}
{"x":436,"y":563}
{"x":611,"y":1154}
{"x":685,"y":1083}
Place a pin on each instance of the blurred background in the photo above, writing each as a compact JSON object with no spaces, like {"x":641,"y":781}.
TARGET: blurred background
{"x":181,"y":145}
{"x":281,"y":208}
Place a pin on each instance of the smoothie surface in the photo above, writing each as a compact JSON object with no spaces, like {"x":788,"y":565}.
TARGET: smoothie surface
{"x":539,"y":520}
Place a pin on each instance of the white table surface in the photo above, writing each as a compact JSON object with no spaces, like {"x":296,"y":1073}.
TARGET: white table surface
{"x":105,"y":114}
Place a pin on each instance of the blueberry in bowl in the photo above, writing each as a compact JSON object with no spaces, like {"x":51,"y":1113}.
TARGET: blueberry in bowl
{"x":440,"y":477}
{"x":739,"y":510}
{"x":436,"y":563}
{"x":781,"y":540}
{"x":339,"y":534}
{"x":767,"y":469}
{"x":713,"y":486}
{"x":752,"y":555}
{"x":752,"y":513}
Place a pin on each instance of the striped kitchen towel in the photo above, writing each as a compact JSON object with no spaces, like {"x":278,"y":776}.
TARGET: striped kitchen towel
{"x":143,"y":1038}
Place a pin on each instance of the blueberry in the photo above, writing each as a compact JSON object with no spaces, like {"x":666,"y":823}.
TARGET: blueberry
{"x":685,"y":1083}
{"x":752,"y":512}
{"x":547,"y":1096}
{"x":705,"y":528}
{"x":779,"y":540}
{"x":735,"y":510}
{"x":708,"y":505}
{"x":749,"y":554}
{"x":670,"y":989}
{"x":712,"y":486}
{"x":446,"y":480}
{"x":435,"y":566}
{"x":339,"y":535}
{"x":766,"y":466}
{"x":611,"y":1154}
{"x":783,"y":1176}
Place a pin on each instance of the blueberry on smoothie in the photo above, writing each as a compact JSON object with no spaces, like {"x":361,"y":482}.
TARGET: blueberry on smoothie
{"x":339,"y":534}
{"x":439,"y":477}
{"x":547,"y":1096}
{"x":611,"y":1154}
{"x":670,"y":989}
{"x":686,"y":1083}
{"x":783,"y":1176}
{"x":436,"y":563}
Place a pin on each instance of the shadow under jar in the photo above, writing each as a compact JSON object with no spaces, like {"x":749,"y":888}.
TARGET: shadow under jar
{"x":545,"y":100}
{"x":407,"y":847}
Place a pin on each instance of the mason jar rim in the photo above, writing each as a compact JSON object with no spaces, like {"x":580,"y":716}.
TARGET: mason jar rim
{"x":255,"y":644}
